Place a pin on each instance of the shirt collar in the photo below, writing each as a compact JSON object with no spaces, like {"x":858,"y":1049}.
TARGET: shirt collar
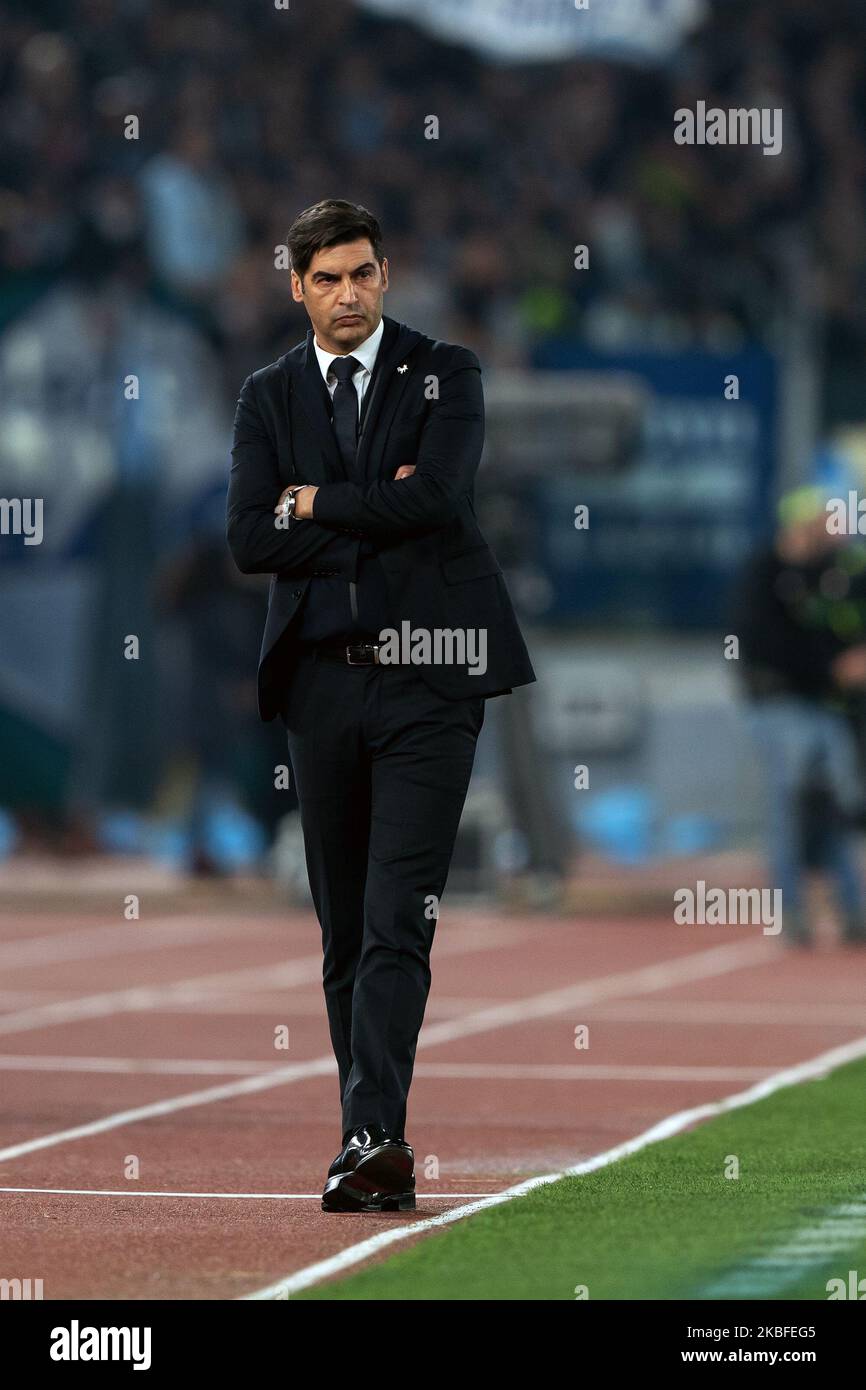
{"x":365,"y":352}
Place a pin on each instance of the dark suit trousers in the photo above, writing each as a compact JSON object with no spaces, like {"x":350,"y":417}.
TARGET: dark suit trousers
{"x":382,"y":766}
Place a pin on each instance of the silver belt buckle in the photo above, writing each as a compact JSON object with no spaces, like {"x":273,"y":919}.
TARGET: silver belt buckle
{"x":375,"y":647}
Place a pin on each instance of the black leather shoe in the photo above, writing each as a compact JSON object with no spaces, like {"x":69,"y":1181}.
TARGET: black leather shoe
{"x":374,"y":1172}
{"x":337,"y":1164}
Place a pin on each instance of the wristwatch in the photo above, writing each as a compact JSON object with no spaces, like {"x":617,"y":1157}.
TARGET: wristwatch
{"x":289,"y":501}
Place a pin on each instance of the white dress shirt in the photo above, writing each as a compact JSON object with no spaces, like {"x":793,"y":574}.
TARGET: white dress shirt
{"x":365,"y":352}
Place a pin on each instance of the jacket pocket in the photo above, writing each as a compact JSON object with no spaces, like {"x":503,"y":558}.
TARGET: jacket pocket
{"x":472,"y":564}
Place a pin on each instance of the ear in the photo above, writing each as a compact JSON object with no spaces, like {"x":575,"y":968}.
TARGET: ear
{"x":384,"y":272}
{"x":297,"y":288}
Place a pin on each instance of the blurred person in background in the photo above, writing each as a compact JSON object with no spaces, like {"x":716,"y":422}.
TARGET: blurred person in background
{"x":193,"y":225}
{"x":800,"y":615}
{"x":219,"y":614}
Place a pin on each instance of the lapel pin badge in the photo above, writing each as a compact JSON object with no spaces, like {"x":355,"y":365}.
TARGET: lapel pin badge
{"x":404,"y":368}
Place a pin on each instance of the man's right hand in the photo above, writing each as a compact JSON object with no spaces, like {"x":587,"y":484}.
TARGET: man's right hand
{"x":404,"y":471}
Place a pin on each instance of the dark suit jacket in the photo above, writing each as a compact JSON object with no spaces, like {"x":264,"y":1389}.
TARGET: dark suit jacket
{"x":425,"y":407}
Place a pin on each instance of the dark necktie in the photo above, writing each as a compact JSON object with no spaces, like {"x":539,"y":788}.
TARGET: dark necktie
{"x":346,"y":409}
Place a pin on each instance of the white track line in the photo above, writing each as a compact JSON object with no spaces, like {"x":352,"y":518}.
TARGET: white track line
{"x":18,"y":998}
{"x":443,"y":1071}
{"x":664,"y":975}
{"x":686,"y":1014}
{"x":647,"y":979}
{"x":300,"y":1071}
{"x":147,"y":998}
{"x":729,"y":1011}
{"x":308,"y":1005}
{"x":202,"y":989}
{"x":123,"y":1066}
{"x":673,"y":1124}
{"x":118,"y":938}
{"x":583,"y":1071}
{"x":227,"y":1196}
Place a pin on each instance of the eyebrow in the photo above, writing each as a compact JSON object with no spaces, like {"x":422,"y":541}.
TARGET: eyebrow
{"x":331,"y":275}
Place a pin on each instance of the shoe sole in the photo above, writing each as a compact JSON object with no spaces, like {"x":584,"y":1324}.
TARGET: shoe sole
{"x":348,"y":1200}
{"x":383,"y":1181}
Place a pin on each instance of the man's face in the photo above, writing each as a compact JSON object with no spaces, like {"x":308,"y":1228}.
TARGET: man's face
{"x":342,"y":291}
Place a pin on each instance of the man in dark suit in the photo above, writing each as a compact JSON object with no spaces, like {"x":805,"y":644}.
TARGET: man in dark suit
{"x":389,"y":625}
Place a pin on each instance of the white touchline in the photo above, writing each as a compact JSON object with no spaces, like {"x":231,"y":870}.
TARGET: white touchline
{"x":697,"y":965}
{"x":673,"y":1124}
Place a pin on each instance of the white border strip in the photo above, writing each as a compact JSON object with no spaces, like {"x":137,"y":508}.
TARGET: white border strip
{"x":664,"y":1129}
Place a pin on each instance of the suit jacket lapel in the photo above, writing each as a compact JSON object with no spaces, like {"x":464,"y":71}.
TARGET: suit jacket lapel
{"x":385,"y":389}
{"x":311,"y":394}
{"x":380,"y":401}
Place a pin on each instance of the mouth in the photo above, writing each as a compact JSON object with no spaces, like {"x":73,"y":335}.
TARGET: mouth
{"x":350,"y":318}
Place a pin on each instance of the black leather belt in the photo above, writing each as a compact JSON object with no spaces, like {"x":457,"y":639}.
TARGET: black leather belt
{"x":350,"y":654}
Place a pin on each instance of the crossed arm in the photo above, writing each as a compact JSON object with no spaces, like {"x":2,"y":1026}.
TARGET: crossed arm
{"x":259,"y":545}
{"x":421,"y":497}
{"x":304,"y":500}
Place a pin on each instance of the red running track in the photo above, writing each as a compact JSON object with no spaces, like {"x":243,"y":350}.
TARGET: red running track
{"x":143,"y":1058}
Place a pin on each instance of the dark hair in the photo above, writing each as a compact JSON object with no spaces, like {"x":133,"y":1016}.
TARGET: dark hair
{"x":331,"y":223}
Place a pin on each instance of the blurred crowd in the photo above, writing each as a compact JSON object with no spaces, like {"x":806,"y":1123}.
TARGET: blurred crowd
{"x":247,"y":113}
{"x":156,"y":255}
